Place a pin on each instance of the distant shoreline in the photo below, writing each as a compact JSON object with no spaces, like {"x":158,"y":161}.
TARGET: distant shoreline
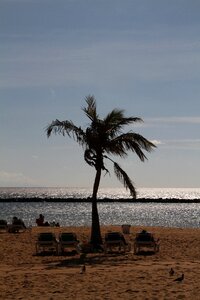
{"x":103,"y":200}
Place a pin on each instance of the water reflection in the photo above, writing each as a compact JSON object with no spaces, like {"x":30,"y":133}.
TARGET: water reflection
{"x":79,"y":214}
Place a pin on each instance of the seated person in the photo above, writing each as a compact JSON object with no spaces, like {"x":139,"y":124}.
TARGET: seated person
{"x":144,"y":236}
{"x":3,"y":222}
{"x":54,"y":224}
{"x":40,"y":221}
{"x":16,"y":221}
{"x":15,"y":225}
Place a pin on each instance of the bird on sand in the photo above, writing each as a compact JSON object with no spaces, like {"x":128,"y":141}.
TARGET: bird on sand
{"x":171,"y":272}
{"x":83,"y":269}
{"x":179,"y":279}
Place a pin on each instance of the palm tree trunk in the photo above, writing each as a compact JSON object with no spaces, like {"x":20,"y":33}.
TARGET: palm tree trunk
{"x":95,"y":238}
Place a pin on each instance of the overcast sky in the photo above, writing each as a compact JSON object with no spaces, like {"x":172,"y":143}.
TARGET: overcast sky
{"x":142,"y":56}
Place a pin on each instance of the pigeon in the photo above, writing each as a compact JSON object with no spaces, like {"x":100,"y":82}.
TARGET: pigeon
{"x":83,"y":269}
{"x":179,"y":279}
{"x":171,"y":272}
{"x":26,"y":282}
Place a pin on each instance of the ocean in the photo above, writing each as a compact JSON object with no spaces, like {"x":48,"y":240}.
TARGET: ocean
{"x":73,"y":213}
{"x":110,"y":193}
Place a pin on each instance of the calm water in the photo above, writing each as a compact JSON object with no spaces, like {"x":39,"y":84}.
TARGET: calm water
{"x":144,"y":214}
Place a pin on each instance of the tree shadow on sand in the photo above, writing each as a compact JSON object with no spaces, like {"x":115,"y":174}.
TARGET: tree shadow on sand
{"x":145,"y":253}
{"x":91,"y":260}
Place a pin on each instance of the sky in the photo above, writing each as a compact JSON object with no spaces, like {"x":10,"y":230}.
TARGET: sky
{"x":142,"y":56}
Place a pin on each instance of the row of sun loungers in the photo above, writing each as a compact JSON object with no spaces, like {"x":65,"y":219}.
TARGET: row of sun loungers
{"x":144,"y":240}
{"x":47,"y":241}
{"x":68,"y":240}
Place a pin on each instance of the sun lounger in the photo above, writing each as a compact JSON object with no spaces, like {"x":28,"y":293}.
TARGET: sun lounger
{"x":116,"y":240}
{"x":3,"y":226}
{"x":15,"y":228}
{"x":146,"y":240}
{"x":46,"y":242}
{"x":68,"y":240}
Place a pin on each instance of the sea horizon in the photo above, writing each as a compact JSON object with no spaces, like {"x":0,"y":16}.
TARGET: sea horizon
{"x":113,"y":193}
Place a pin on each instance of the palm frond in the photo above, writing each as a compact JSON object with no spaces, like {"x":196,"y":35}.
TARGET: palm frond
{"x":142,"y":142}
{"x":115,"y":120}
{"x":123,"y":177}
{"x":66,"y":127}
{"x":129,"y":141}
{"x":91,"y":109}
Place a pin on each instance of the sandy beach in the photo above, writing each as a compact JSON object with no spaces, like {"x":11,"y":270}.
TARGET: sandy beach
{"x":25,"y":275}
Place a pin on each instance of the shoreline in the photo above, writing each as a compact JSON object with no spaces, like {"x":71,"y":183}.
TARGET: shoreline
{"x":101,"y":200}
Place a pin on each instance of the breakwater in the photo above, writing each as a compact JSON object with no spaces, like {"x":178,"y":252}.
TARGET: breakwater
{"x":103,"y":200}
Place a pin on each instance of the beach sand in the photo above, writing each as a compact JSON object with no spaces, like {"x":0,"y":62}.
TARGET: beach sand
{"x":25,"y":275}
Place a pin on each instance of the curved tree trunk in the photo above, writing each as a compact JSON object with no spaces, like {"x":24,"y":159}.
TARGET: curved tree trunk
{"x":95,"y":238}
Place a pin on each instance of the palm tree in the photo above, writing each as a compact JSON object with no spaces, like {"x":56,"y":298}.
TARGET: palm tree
{"x":104,"y":137}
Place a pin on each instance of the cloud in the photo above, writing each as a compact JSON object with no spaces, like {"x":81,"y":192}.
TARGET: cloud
{"x":35,"y":157}
{"x":72,"y":63}
{"x":14,"y":178}
{"x":184,"y":144}
{"x":157,"y":142}
{"x":173,"y":120}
